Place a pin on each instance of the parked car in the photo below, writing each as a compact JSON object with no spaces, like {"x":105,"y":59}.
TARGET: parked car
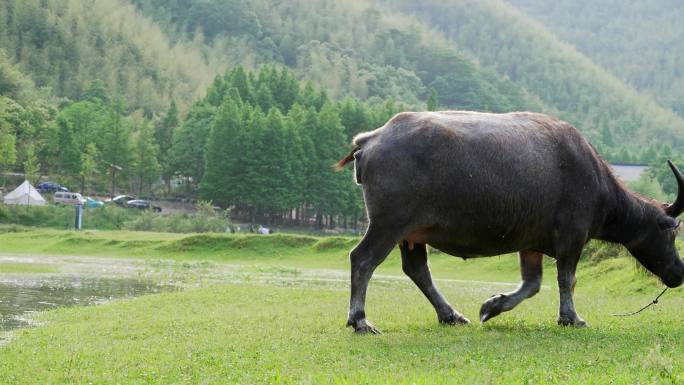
{"x":46,"y":187}
{"x":143,"y":205}
{"x":120,"y":200}
{"x":68,"y":198}
{"x":94,"y":203}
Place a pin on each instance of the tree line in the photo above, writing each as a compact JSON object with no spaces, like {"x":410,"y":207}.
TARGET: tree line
{"x":258,"y":142}
{"x":267,"y":145}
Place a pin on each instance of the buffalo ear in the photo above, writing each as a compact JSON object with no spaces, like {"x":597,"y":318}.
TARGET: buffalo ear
{"x":666,"y":223}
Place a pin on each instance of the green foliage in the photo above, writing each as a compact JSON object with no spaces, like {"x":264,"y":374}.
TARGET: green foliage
{"x":649,"y":187}
{"x":432,"y":102}
{"x":661,"y":172}
{"x":87,"y":164}
{"x":8,"y":154}
{"x":222,"y":178}
{"x":145,"y":165}
{"x":272,"y":154}
{"x":186,"y":155}
{"x":163,"y":135}
{"x":31,"y":166}
{"x":348,"y":50}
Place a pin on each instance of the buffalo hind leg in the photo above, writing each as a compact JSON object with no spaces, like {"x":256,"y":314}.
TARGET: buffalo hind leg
{"x":414,"y":263}
{"x":365,"y":257}
{"x":531,"y":270}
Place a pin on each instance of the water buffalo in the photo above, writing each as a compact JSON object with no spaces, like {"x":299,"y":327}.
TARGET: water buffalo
{"x":481,"y":184}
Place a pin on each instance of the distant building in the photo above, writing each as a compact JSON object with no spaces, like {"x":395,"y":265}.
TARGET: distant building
{"x":629,"y":172}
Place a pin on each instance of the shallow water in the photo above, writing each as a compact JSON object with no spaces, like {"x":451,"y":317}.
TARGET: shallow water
{"x":74,"y":281}
{"x":22,"y":296}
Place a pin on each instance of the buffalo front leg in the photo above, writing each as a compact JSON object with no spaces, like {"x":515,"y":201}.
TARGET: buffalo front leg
{"x":566,"y":286}
{"x":414,"y":263}
{"x":531,"y":271}
{"x":366,"y":256}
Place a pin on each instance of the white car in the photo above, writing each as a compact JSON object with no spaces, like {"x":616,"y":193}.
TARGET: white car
{"x":69,"y":198}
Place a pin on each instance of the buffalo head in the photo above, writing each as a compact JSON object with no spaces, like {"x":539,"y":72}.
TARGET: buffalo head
{"x":654,"y":247}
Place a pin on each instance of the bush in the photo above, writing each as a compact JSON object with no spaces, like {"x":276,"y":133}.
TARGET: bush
{"x":41,"y":216}
{"x":63,"y":217}
{"x":596,"y":251}
{"x":204,"y":220}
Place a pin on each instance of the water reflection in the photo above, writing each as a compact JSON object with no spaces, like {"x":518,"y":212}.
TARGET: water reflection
{"x":22,"y":296}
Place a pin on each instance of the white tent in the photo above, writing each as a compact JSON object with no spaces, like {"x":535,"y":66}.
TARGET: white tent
{"x":25,"y":194}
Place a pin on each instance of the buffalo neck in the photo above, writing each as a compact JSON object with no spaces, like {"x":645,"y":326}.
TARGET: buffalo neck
{"x":627,"y":216}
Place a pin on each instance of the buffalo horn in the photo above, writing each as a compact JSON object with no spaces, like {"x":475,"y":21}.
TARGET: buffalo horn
{"x":677,"y":207}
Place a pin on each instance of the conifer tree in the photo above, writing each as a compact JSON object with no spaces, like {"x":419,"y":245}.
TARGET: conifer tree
{"x":432,"y":102}
{"x":186,"y":155}
{"x":328,"y":139}
{"x":220,"y":181}
{"x":163,"y":135}
{"x":145,"y":165}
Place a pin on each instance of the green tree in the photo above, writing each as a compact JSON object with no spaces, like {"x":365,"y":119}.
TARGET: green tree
{"x":649,"y":187}
{"x":88,"y":165}
{"x":222,"y":177}
{"x":328,"y":187}
{"x":116,"y":149}
{"x":432,"y":102}
{"x":163,"y":135}
{"x":145,"y":166}
{"x":355,"y":117}
{"x":31,"y":165}
{"x":187,"y":153}
{"x":660,"y":171}
{"x":79,"y":125}
{"x":8,"y":152}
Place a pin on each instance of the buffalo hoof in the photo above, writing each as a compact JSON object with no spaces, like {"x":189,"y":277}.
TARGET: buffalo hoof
{"x":454,"y":319}
{"x":572,"y":321}
{"x":492,"y":307}
{"x":364,"y":327}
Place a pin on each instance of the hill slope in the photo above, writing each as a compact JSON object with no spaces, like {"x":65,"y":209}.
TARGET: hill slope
{"x":609,"y":112}
{"x":67,"y":44}
{"x":639,"y":41}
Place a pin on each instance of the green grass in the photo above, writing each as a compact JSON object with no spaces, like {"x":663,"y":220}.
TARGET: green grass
{"x":264,"y":334}
{"x":11,"y":267}
{"x":293,"y":331}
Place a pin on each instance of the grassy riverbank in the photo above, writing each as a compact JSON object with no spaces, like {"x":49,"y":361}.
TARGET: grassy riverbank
{"x":292,"y":331}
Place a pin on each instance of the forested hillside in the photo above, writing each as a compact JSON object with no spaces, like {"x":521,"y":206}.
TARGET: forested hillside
{"x":247,"y":103}
{"x":65,"y":45}
{"x":613,"y":115}
{"x":348,"y":48}
{"x":639,"y":41}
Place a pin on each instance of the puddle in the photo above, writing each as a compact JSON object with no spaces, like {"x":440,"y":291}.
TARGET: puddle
{"x":71,"y":281}
{"x":20,"y":297}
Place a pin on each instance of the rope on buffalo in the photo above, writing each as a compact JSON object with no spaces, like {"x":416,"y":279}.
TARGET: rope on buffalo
{"x":655,"y":301}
